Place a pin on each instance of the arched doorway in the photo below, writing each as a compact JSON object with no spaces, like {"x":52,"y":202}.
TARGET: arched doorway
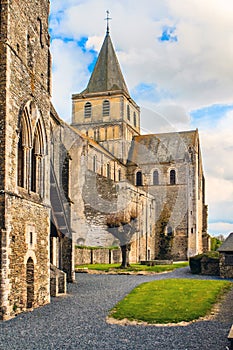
{"x":30,"y":282}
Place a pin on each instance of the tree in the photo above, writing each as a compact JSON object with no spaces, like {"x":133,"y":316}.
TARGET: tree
{"x":123,"y":226}
{"x":216,"y":242}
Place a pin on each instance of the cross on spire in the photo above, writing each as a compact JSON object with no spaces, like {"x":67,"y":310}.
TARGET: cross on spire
{"x":107,"y":19}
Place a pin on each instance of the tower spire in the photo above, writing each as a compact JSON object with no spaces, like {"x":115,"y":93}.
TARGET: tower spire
{"x":107,"y":19}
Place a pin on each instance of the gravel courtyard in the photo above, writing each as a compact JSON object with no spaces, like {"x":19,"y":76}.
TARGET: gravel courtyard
{"x":77,"y":321}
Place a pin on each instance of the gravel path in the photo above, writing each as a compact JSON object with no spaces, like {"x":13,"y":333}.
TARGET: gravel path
{"x":77,"y":321}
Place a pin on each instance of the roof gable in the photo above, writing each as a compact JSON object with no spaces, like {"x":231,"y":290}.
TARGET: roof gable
{"x":227,"y":245}
{"x":159,"y":148}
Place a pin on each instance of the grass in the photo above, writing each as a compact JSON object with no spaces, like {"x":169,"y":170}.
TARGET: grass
{"x":133,"y":267}
{"x":170,"y":301}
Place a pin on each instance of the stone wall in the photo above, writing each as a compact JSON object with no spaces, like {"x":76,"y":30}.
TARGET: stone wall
{"x":27,"y":237}
{"x":85,"y":256}
{"x":226,"y":267}
{"x":210,"y":266}
{"x":25,"y":81}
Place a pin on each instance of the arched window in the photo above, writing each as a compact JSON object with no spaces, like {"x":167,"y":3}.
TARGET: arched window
{"x":87,"y":110}
{"x":37,"y":152}
{"x":139,"y":178}
{"x":128,"y":112}
{"x":172,"y":177}
{"x":155,"y":177}
{"x":106,"y":108}
{"x":23,"y":149}
{"x":134,"y":119}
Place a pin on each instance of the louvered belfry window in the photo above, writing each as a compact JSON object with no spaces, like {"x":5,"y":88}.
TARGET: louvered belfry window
{"x":87,"y":110}
{"x":106,"y":108}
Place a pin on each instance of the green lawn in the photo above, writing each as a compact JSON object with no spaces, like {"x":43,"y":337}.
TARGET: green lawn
{"x":170,"y":301}
{"x":133,"y":267}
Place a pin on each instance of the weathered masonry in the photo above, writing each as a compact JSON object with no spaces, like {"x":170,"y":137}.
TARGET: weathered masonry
{"x":25,"y":73}
{"x":164,"y":172}
{"x":35,"y":235}
{"x":97,"y":182}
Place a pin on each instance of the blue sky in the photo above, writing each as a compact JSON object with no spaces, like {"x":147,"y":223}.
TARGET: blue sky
{"x":177,"y":62}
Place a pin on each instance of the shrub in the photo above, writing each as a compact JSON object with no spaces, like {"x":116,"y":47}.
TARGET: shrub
{"x":195,"y":261}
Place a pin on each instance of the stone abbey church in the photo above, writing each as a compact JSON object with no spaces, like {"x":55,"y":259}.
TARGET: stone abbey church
{"x":96,"y":182}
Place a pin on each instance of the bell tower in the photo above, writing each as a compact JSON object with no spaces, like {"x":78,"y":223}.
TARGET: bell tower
{"x":105,"y":111}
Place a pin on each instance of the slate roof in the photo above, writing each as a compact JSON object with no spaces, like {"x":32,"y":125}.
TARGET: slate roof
{"x":107,"y":75}
{"x":159,"y":148}
{"x":227,"y":245}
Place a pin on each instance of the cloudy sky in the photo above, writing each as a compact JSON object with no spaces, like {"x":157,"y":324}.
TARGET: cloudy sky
{"x":177,"y":60}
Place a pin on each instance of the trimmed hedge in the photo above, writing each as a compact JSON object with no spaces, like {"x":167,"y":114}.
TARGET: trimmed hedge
{"x":195,"y":261}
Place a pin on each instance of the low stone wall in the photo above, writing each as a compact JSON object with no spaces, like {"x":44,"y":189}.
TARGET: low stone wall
{"x":204,"y":265}
{"x":210,"y":266}
{"x":226,"y":269}
{"x":156,"y":262}
{"x":84,"y":256}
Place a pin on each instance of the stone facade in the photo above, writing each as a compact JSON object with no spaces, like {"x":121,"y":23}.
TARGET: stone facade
{"x":25,"y":128}
{"x":97,"y":182}
{"x":113,"y":170}
{"x":165,"y":168}
{"x":226,"y":265}
{"x":84,"y":256}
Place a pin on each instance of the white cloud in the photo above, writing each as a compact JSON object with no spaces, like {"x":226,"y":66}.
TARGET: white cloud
{"x":221,"y":228}
{"x":158,"y":118}
{"x":70,"y":75}
{"x":194,"y":72}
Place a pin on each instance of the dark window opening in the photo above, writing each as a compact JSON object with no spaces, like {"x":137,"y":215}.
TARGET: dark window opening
{"x":169,"y":231}
{"x":172,"y":177}
{"x":139,"y":178}
{"x":66,"y":176}
{"x":94,"y":163}
{"x":106,"y":108}
{"x":155,"y":177}
{"x":87,"y":110}
{"x":135,"y":119}
{"x":33,"y":169}
{"x":31,"y":237}
{"x":40,"y":32}
{"x":119,"y":175}
{"x":108,"y":171}
{"x":128,"y":112}
{"x":20,"y":161}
